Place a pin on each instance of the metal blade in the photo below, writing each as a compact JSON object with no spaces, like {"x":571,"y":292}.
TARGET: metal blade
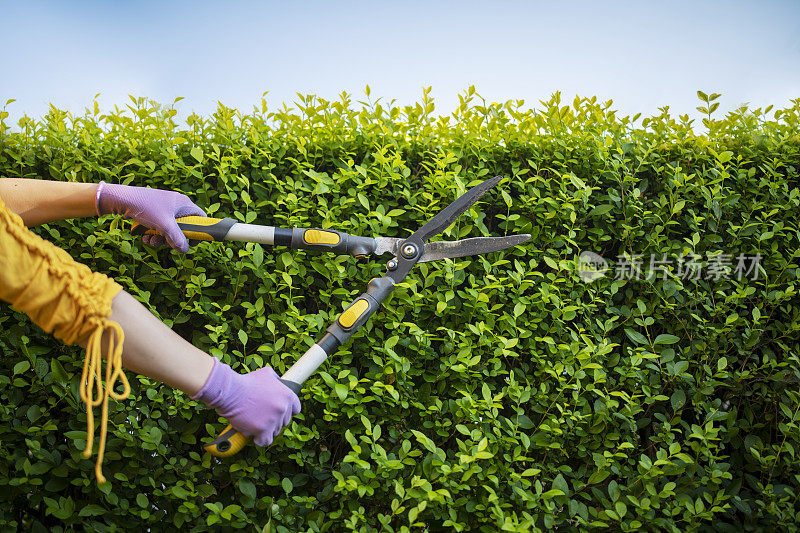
{"x":447,"y":215}
{"x":388,"y":244}
{"x":435,"y":251}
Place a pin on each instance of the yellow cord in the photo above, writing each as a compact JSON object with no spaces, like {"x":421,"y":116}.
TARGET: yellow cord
{"x":91,"y":378}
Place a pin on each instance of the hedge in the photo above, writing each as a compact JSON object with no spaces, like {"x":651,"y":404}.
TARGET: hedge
{"x":503,"y":392}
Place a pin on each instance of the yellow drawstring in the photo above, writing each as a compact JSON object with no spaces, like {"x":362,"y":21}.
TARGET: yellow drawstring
{"x":91,"y":377}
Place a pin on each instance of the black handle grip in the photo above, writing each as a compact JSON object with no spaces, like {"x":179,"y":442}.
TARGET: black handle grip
{"x":360,"y":309}
{"x":195,"y":228}
{"x":294,"y":387}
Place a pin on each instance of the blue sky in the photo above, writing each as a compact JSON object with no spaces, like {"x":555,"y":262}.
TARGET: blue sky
{"x":642,"y":54}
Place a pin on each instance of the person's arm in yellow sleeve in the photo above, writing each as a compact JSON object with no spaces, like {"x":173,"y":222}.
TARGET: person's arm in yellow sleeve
{"x":39,"y":201}
{"x":74,"y":304}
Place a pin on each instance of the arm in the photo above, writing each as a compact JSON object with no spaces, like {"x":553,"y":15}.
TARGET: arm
{"x":154,"y":350}
{"x":256,"y":404}
{"x":42,"y":201}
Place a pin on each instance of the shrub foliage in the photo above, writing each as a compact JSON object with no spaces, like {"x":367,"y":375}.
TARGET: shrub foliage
{"x":496,"y":392}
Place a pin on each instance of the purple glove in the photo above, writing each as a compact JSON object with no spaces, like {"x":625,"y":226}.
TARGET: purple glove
{"x":154,"y":208}
{"x":256,"y":404}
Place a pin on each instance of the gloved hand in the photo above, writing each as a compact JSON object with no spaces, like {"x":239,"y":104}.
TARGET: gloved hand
{"x":256,"y":404}
{"x":155,"y":208}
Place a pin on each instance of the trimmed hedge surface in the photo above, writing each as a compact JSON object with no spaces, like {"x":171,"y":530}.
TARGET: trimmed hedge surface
{"x":496,"y":392}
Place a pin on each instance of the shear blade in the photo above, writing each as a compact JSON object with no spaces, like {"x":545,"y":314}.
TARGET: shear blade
{"x":446,"y":216}
{"x":434,"y":251}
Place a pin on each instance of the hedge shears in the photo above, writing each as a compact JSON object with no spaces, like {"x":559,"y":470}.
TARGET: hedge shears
{"x":407,"y":252}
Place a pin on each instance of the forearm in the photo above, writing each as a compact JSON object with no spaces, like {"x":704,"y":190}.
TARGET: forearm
{"x":42,"y":201}
{"x":154,"y":350}
{"x":256,"y":403}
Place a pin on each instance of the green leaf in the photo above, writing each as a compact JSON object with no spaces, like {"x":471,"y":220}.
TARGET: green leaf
{"x":286,"y":483}
{"x":428,"y":443}
{"x":598,"y":477}
{"x":142,"y":501}
{"x":524,"y":422}
{"x":57,"y":369}
{"x":341,"y":391}
{"x":666,"y":338}
{"x":258,"y":255}
{"x":601,"y":210}
{"x":678,"y":399}
{"x":613,"y":490}
{"x":229,"y":510}
{"x":156,"y":434}
{"x":725,"y":156}
{"x":247,"y":488}
{"x":92,"y":510}
{"x":486,"y":392}
{"x":197,"y":153}
{"x":39,"y":468}
{"x":635,"y":336}
{"x":681,"y":366}
{"x":561,"y":484}
{"x":21,"y":367}
{"x":64,"y":509}
{"x":180,"y":492}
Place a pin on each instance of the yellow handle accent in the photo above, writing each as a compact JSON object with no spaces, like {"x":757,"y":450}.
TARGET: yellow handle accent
{"x":194,"y":235}
{"x":227,"y":445}
{"x":198,"y":221}
{"x":353,"y":313}
{"x":194,"y":220}
{"x":317,"y":236}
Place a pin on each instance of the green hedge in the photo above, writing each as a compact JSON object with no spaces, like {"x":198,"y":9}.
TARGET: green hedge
{"x":498,"y":392}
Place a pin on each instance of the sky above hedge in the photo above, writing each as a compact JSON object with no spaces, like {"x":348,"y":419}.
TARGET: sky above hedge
{"x":642,"y":54}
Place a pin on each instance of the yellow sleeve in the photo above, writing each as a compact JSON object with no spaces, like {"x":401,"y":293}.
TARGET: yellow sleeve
{"x":67,"y":299}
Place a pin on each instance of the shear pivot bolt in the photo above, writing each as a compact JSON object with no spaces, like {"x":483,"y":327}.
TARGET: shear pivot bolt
{"x":392,"y":265}
{"x":409,"y":251}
